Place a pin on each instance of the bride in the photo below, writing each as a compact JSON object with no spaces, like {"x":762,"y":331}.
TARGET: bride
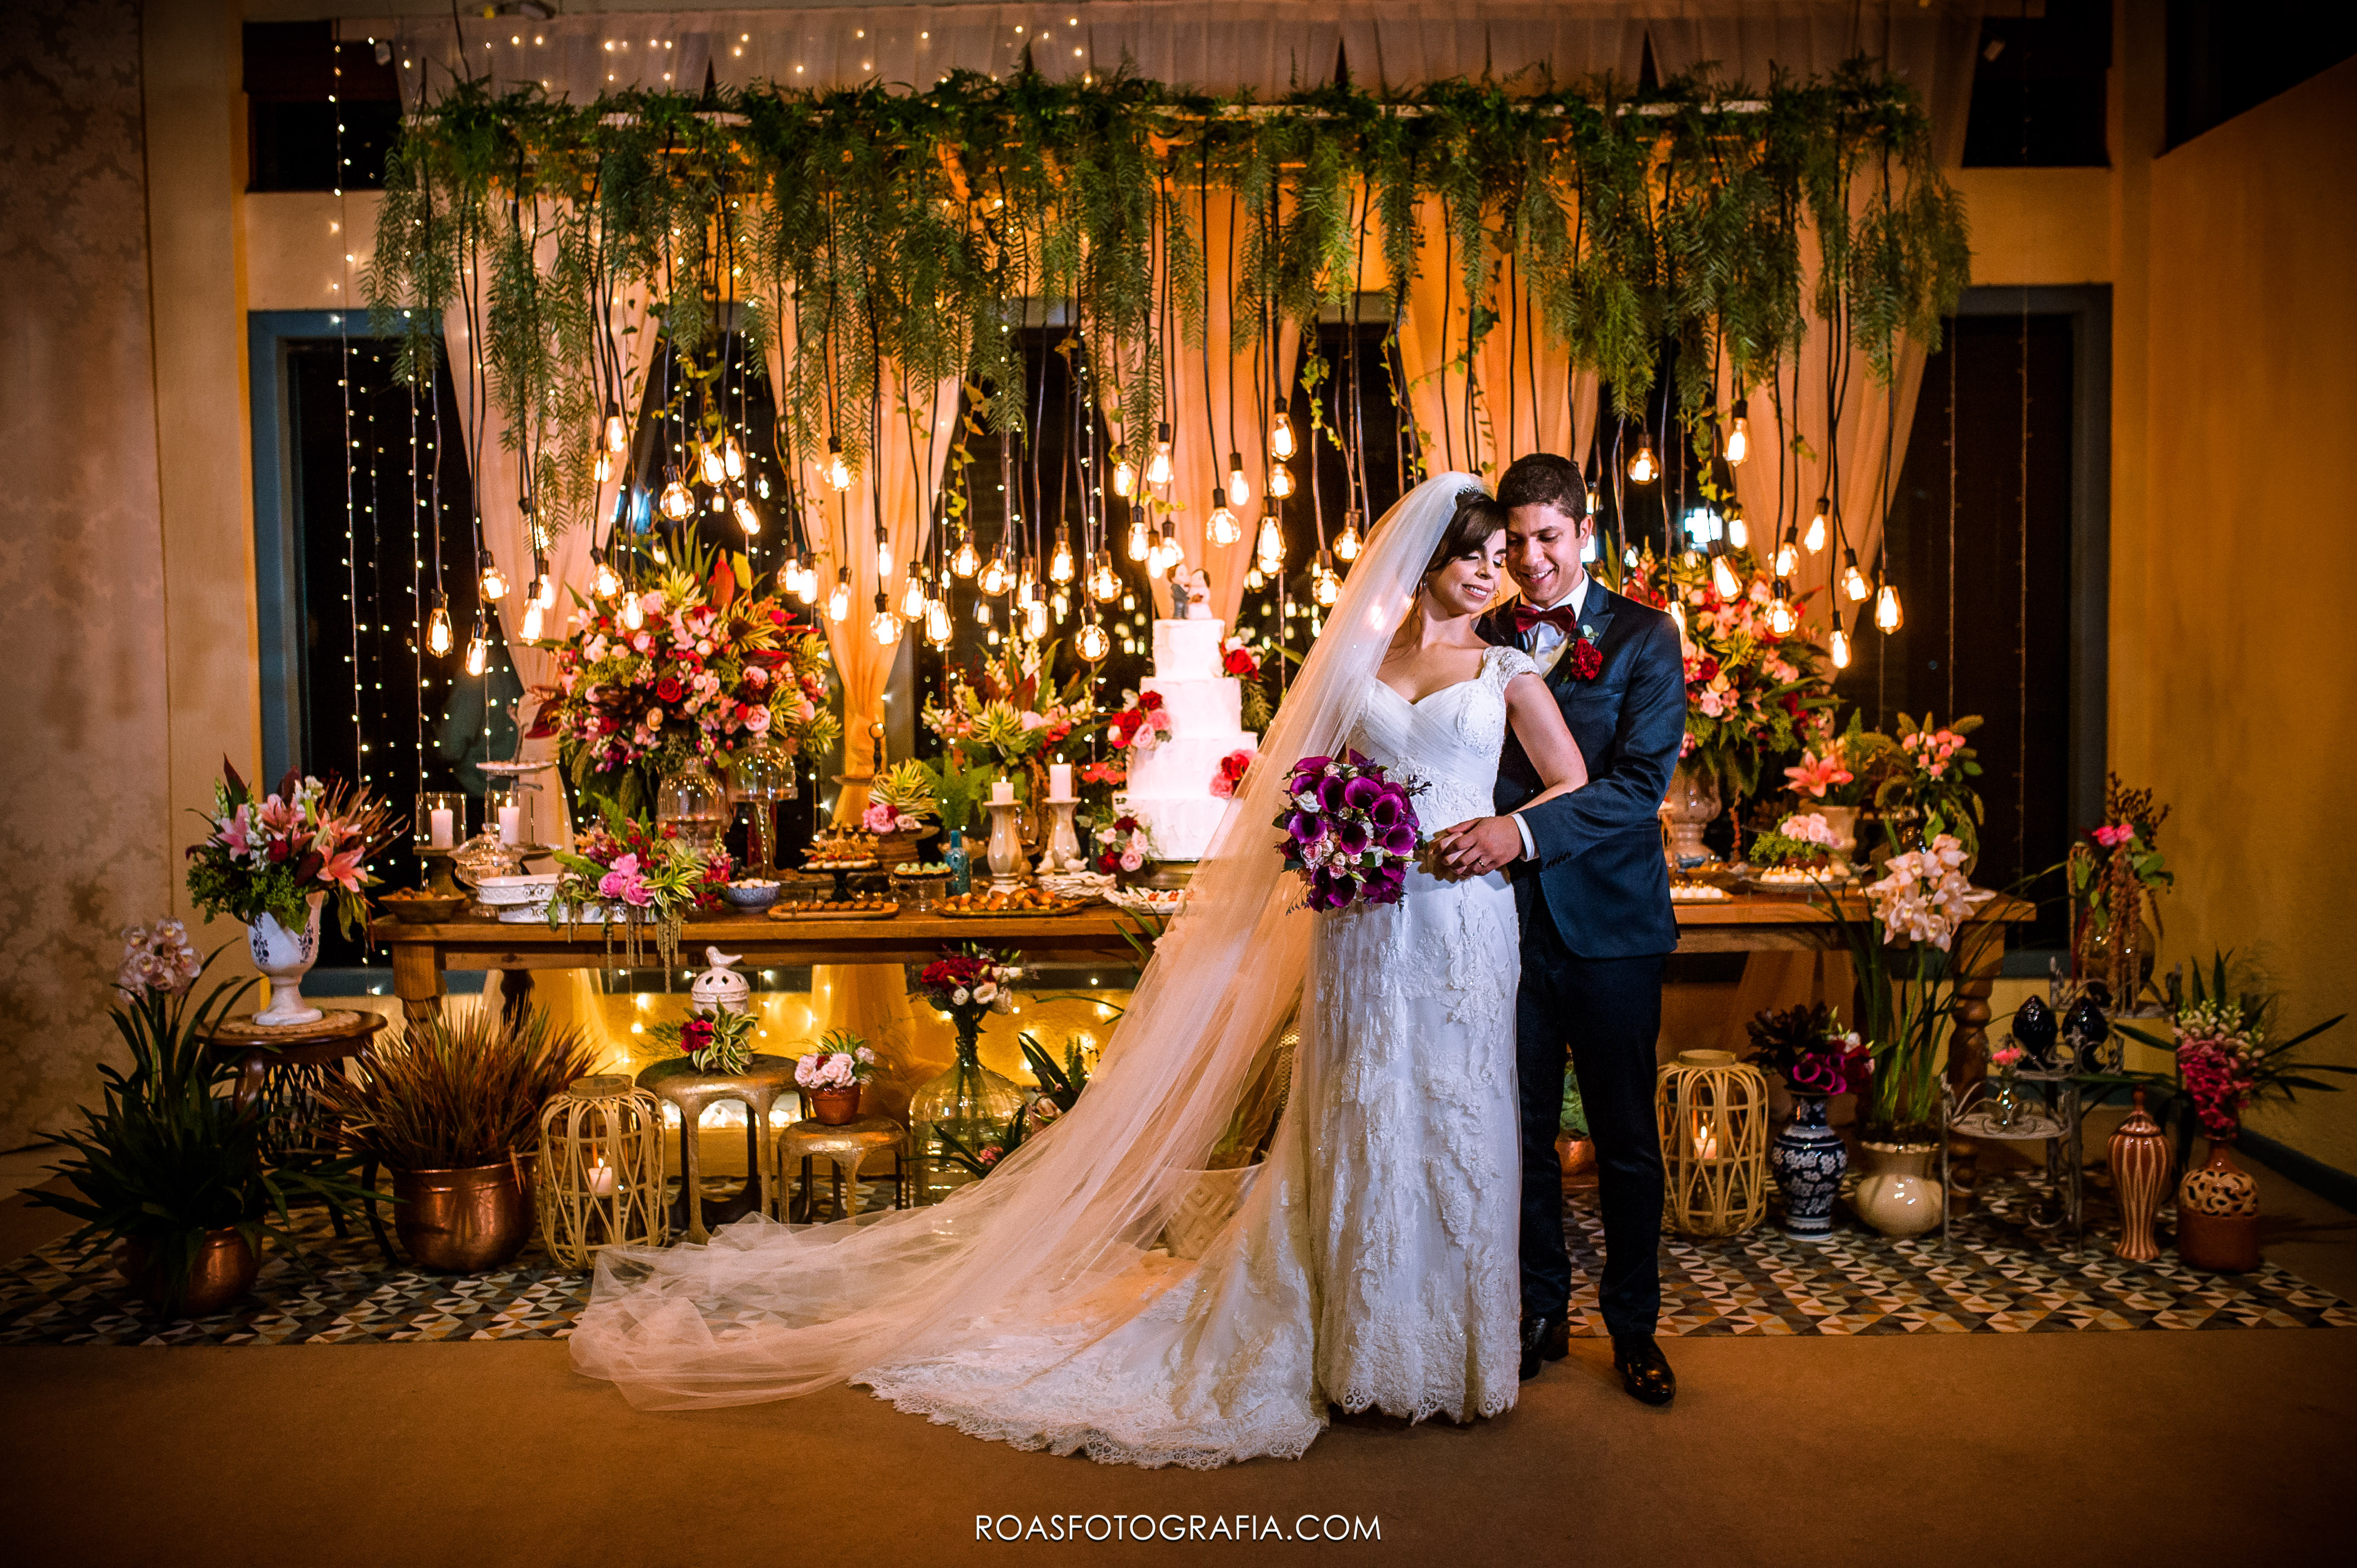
{"x":1372,"y":1264}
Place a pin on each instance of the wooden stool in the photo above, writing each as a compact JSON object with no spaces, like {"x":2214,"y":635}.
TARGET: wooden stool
{"x":844,"y":1148}
{"x":299,"y":1055}
{"x":677,"y":1082}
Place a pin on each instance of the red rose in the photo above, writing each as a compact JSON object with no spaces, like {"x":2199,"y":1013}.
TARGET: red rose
{"x":695,"y":1037}
{"x":668,"y":689}
{"x":1707,"y":671}
{"x":1240,"y":661}
{"x":1585,"y":661}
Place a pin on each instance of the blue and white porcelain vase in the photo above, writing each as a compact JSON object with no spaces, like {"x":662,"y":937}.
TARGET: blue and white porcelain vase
{"x":1809,"y":1158}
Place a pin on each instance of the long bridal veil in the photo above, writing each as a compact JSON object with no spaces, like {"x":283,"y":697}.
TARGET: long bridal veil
{"x":766,"y":1310}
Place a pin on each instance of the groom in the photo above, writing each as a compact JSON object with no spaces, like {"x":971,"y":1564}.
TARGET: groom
{"x":1593,"y":897}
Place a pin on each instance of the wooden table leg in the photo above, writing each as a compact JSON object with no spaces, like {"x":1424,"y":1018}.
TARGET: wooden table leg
{"x":417,"y":980}
{"x":1979,"y":955}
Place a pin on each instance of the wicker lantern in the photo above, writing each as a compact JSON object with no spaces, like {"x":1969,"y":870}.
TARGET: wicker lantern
{"x":1712,"y":1112}
{"x":601,"y":1169}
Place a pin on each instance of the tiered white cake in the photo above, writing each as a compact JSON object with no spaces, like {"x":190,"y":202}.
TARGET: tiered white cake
{"x":1171,"y":785}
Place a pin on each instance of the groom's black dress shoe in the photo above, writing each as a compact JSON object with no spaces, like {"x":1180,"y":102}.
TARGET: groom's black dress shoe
{"x":1645,"y":1370}
{"x":1543,"y":1338}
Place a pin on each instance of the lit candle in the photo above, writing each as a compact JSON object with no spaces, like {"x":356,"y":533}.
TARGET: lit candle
{"x":1002,"y":793}
{"x":1060,"y":780}
{"x":439,"y":831}
{"x":511,"y":824}
{"x":1706,"y":1141}
{"x":601,"y":1179}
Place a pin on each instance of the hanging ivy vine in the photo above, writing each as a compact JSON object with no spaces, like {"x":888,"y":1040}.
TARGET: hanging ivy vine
{"x":871,"y":226}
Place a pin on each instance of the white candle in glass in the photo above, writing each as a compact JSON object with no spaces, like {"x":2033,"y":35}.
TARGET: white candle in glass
{"x":440,"y":831}
{"x":1002,"y":793}
{"x":601,"y":1179}
{"x":1060,"y":780}
{"x":511,"y":824}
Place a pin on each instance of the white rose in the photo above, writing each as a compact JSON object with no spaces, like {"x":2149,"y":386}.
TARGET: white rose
{"x":958,"y":997}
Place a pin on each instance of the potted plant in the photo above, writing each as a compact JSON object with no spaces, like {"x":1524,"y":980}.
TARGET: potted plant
{"x":167,"y":1170}
{"x":2116,"y":876}
{"x":1817,"y":1058}
{"x":452,"y":1107}
{"x":831,"y":1077}
{"x":957,"y":786}
{"x":272,"y":863}
{"x":716,"y":1039}
{"x":2222,"y":1063}
{"x":1836,"y":775}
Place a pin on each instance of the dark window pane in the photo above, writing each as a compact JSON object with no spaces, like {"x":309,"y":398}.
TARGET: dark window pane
{"x":2039,"y":89}
{"x":2224,"y":59}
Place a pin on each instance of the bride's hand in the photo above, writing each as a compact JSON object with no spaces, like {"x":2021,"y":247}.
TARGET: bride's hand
{"x":1476,"y":848}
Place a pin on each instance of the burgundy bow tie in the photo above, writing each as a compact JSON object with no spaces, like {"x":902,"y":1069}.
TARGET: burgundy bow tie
{"x":1560,"y":617}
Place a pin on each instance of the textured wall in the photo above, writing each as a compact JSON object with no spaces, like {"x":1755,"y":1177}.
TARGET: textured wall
{"x":84,"y":848}
{"x":2236,"y":702}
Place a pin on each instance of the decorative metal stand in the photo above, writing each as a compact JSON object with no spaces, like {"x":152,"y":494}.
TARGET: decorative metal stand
{"x":2056,"y":1126}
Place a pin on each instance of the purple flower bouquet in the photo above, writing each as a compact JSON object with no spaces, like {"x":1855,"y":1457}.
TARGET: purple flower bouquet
{"x":1350,"y":830}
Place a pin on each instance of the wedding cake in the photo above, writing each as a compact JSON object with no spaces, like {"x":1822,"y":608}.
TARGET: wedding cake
{"x":1171,"y":784}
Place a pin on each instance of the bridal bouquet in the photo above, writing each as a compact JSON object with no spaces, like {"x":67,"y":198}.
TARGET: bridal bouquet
{"x":269,"y":854}
{"x":1350,"y":830}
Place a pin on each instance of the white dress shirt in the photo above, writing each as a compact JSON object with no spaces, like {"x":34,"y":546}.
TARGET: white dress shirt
{"x":1548,"y":642}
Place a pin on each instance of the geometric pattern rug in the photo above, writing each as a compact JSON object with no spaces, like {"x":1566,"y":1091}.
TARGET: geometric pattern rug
{"x":1999,"y":1274}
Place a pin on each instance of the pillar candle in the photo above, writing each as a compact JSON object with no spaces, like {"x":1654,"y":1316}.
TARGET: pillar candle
{"x":1060,"y":780}
{"x":1002,"y":793}
{"x":439,"y":832}
{"x":511,"y":824}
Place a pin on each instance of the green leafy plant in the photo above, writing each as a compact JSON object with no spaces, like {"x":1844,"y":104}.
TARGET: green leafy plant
{"x":463,"y":1088}
{"x":718,"y":1040}
{"x":958,"y":786}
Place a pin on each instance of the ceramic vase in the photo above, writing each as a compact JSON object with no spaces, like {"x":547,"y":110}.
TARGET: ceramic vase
{"x":284,"y":957}
{"x":1809,"y":1158}
{"x":1899,"y":1196}
{"x":1843,"y":821}
{"x":2140,"y":1160}
{"x":1693,"y":803}
{"x":2218,"y":1214}
{"x":1006,"y":844}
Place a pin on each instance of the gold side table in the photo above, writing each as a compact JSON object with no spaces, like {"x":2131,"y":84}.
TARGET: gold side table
{"x":844,"y":1148}
{"x":678,"y":1082}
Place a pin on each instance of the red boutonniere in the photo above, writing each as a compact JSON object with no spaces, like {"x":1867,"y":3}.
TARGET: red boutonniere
{"x":1586,"y":663}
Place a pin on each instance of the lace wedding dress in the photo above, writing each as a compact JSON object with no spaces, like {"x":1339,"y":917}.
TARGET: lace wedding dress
{"x":1371,"y":1261}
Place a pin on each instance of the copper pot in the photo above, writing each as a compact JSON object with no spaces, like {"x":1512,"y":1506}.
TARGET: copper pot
{"x":221,"y":1271}
{"x":464,"y":1221}
{"x":834,"y":1107}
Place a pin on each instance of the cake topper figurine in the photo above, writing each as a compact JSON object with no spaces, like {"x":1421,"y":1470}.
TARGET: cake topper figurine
{"x":1190,"y":595}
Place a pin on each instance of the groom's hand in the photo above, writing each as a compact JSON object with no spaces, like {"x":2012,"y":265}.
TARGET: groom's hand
{"x":1478,"y":848}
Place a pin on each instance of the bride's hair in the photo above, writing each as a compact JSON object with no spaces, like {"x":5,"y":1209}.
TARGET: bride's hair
{"x":1479,"y":518}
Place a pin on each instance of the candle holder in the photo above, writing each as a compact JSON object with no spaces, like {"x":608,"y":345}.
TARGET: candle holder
{"x":426,"y":832}
{"x":1063,"y":851}
{"x":1006,"y":844}
{"x":600,"y":1173}
{"x":1711,"y":1111}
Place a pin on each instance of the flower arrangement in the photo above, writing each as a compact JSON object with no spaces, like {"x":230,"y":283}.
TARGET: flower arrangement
{"x":1808,"y":1048}
{"x":1012,"y":706}
{"x":1924,"y":896}
{"x":1237,"y":659}
{"x":969,"y":984}
{"x":1750,"y":689}
{"x":623,"y":867}
{"x":1928,"y":776}
{"x":1839,"y":768}
{"x":842,"y":1060}
{"x":900,"y":800}
{"x":1802,"y":841}
{"x":158,"y":963}
{"x":2223,"y":1061}
{"x":2115,"y":874}
{"x":1142,"y":725}
{"x":273,"y":856}
{"x":690,"y":668}
{"x":1350,"y":830}
{"x":1230,"y":776}
{"x":1125,"y":850}
{"x":715,"y":1040}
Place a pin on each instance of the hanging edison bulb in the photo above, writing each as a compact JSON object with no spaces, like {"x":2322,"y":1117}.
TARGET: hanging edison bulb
{"x":634,"y":614}
{"x":912,"y":597}
{"x":732,"y":459}
{"x":1035,"y":620}
{"x":662,"y":555}
{"x":965,"y":563}
{"x":1239,"y":487}
{"x":1781,"y":616}
{"x":1105,"y":583}
{"x":709,"y":465}
{"x":1059,"y":564}
{"x":1141,"y":542}
{"x":1026,"y":587}
{"x":1280,"y":481}
{"x":937,"y":623}
{"x":747,"y":518}
{"x":1271,"y":544}
{"x":1642,"y":467}
{"x":838,"y":472}
{"x":1061,"y":602}
{"x":1788,"y":555}
{"x":1595,"y":498}
{"x":1125,"y":478}
{"x":618,"y":435}
{"x":982,"y":612}
{"x":1738,"y":532}
{"x":1167,"y":554}
{"x":1722,"y":577}
{"x":1223,"y":527}
{"x":1347,"y":547}
{"x":1840,"y":648}
{"x":533,"y":621}
{"x":1280,"y":434}
{"x":838,"y":602}
{"x":1853,"y":580}
{"x":1738,"y":436}
{"x":1256,"y":578}
{"x":437,"y":625}
{"x":604,"y":467}
{"x":495,"y":582}
{"x":1157,"y":467}
{"x":883,"y":555}
{"x":884,"y":626}
{"x":478,"y":652}
{"x":1328,"y":587}
{"x":1092,"y":643}
{"x":604,"y":581}
{"x":1816,"y":539}
{"x":1887,"y":615}
{"x":676,"y":503}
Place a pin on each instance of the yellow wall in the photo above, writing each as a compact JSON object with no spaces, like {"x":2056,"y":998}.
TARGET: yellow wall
{"x":2234,"y":698}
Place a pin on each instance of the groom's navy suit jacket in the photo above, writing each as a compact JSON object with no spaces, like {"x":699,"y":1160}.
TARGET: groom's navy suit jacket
{"x":1599,"y":866}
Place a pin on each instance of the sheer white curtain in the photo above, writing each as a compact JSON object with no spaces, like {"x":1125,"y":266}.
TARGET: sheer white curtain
{"x":1398,"y":43}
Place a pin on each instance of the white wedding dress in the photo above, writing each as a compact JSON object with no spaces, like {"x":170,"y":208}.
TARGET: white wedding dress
{"x":1372,"y":1264}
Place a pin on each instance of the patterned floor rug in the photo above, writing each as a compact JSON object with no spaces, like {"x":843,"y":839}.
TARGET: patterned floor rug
{"x":1998,"y":1276}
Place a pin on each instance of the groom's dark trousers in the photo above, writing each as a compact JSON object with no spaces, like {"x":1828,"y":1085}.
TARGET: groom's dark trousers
{"x":1593,"y":897}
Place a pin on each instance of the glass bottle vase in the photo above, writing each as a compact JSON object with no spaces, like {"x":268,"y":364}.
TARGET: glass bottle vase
{"x":970,"y":1102}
